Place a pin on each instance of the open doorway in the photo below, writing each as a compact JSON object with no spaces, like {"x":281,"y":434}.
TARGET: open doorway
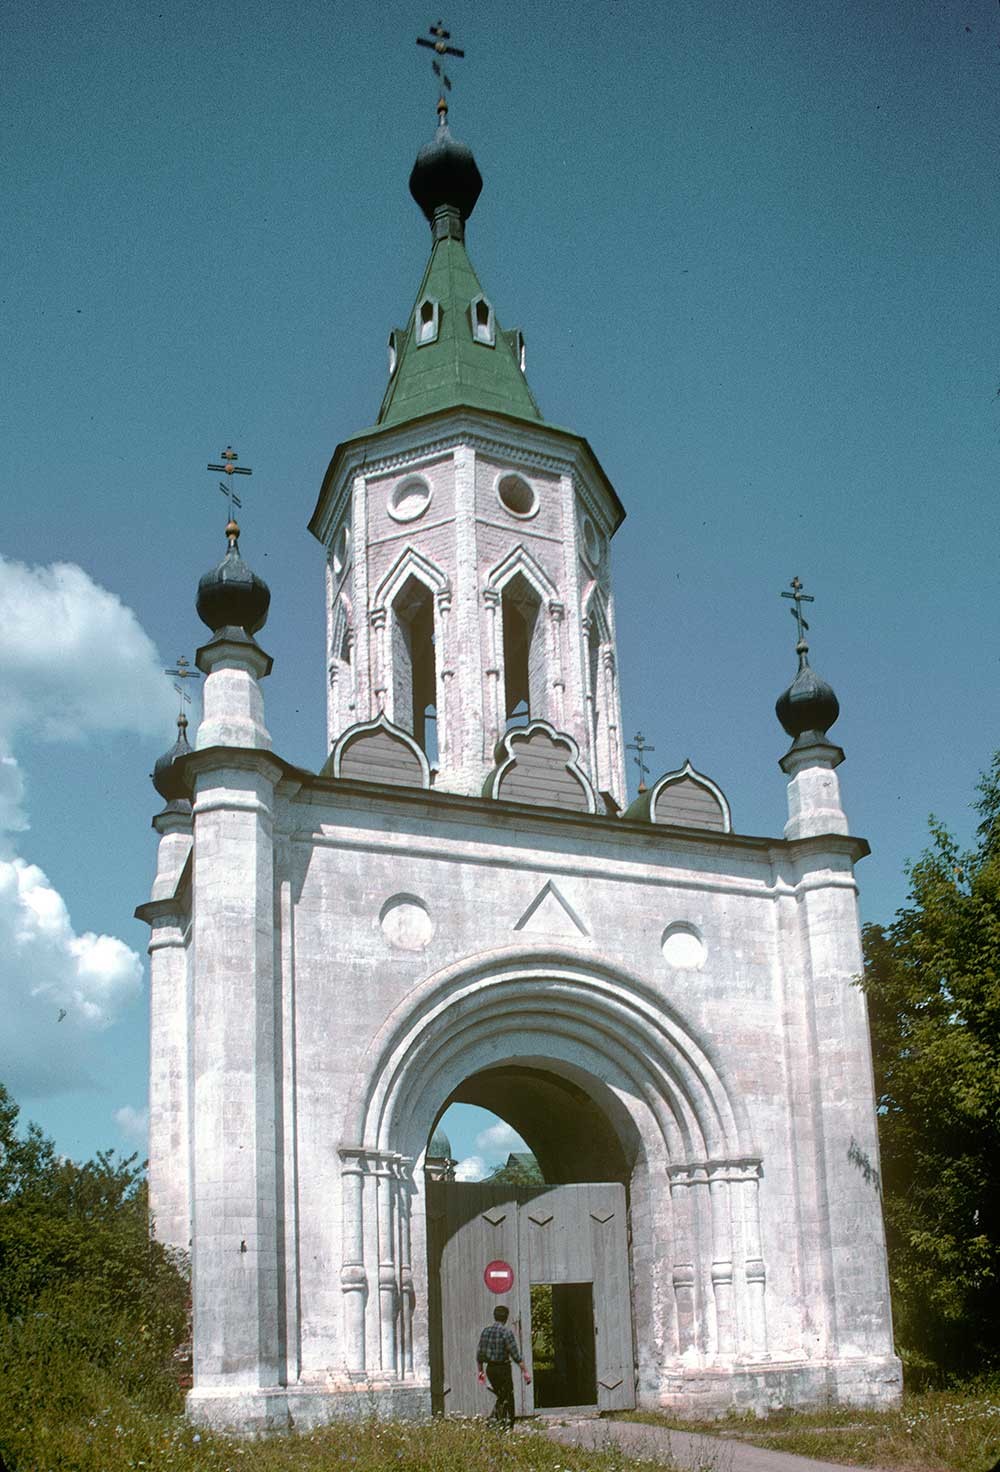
{"x":563,"y":1356}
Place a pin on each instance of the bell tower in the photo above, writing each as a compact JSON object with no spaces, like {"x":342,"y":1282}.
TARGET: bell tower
{"x":468,"y":540}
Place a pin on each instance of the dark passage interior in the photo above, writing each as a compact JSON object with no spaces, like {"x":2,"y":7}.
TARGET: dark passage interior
{"x":563,"y":1356}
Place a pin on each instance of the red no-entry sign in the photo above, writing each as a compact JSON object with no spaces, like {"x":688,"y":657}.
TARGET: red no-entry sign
{"x":499,"y":1276}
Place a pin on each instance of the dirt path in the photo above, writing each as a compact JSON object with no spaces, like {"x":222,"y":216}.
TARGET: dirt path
{"x":692,"y":1452}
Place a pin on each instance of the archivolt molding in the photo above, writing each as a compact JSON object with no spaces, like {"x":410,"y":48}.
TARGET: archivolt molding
{"x":600,"y":1026}
{"x":519,"y":560}
{"x":409,"y":563}
{"x":595,"y":610}
{"x":548,"y":1003}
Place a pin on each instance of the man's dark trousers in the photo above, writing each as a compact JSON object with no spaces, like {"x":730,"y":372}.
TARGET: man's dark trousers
{"x":502,"y":1384}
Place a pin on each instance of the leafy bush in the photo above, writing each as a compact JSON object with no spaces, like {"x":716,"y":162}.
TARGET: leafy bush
{"x":91,"y":1308}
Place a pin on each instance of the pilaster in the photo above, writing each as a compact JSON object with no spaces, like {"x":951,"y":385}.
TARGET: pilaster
{"x":169,"y":1169}
{"x":842,"y":1107}
{"x":238,"y":1309}
{"x":168,"y":916}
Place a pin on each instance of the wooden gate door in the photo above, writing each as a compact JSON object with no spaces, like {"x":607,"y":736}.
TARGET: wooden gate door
{"x":470,"y":1224}
{"x":578,"y":1234}
{"x":560,"y":1235}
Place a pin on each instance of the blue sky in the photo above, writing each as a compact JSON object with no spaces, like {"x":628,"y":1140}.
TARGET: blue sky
{"x":753,"y":249}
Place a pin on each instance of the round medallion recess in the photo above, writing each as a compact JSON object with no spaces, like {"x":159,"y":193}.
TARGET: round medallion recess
{"x":409,"y":499}
{"x":517,"y":496}
{"x":341,"y":550}
{"x":406,"y":923}
{"x":683,"y":946}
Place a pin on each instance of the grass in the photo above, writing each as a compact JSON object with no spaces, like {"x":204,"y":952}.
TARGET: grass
{"x":934,"y":1431}
{"x":117,"y":1439}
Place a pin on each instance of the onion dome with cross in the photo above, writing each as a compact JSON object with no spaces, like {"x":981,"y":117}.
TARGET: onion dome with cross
{"x":445,"y":174}
{"x":165,"y":776}
{"x":809,"y":707}
{"x":232,"y":595}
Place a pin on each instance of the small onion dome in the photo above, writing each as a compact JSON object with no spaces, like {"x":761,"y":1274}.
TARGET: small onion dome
{"x":445,"y":173}
{"x":231,"y":595}
{"x":808,"y":707}
{"x":439,"y":1147}
{"x":165,"y":777}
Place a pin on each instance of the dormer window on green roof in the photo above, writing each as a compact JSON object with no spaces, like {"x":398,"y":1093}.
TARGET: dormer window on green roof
{"x":428,"y":319}
{"x":482,"y":321}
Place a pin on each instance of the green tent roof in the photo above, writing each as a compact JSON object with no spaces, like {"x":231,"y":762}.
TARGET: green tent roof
{"x":454,"y":370}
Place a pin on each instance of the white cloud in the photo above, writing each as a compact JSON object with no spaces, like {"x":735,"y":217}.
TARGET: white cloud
{"x":57,"y":989}
{"x":472,"y":1168}
{"x":57,"y":628}
{"x":13,"y":818}
{"x":134,"y":1125}
{"x":499,"y":1139}
{"x":60,"y":989}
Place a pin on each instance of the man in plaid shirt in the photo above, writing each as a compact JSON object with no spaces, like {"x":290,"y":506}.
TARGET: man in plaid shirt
{"x":497,"y":1347}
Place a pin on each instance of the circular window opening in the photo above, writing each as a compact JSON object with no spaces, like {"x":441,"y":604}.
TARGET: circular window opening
{"x":341,"y":547}
{"x":409,"y":500}
{"x":591,"y":541}
{"x":516,"y":496}
{"x":683,"y":946}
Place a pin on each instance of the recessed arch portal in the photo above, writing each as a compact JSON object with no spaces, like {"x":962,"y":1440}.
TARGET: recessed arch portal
{"x":666,"y":1126}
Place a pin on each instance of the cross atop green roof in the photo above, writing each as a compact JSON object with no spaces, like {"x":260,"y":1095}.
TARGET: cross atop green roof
{"x":444,"y":363}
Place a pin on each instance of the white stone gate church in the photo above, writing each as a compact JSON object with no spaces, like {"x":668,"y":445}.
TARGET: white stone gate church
{"x":459,"y":906}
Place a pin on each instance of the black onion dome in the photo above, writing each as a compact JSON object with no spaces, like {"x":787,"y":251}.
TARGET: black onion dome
{"x":232,"y":595}
{"x":165,"y":777}
{"x":809,"y":705}
{"x":445,"y":173}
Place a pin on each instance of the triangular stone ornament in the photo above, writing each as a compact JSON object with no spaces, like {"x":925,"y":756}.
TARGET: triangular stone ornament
{"x":540,"y":1221}
{"x":494,"y":1217}
{"x":550,"y":913}
{"x":610,"y":1384}
{"x":602,"y":1216}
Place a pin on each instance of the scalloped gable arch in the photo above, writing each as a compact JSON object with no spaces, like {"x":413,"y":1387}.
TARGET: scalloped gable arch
{"x":506,"y":759}
{"x":611,"y":1026}
{"x":700,"y":780}
{"x":366,"y":728}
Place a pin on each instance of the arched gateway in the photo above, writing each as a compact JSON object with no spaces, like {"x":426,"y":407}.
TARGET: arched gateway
{"x":456,"y":908}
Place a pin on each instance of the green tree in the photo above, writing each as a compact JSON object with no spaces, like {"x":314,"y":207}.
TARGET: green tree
{"x":519,"y":1169}
{"x":91,"y":1307}
{"x":932,"y":979}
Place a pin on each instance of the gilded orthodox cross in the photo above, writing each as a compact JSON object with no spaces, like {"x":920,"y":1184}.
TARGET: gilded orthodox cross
{"x":438,"y":43}
{"x":640,"y":747}
{"x":230,"y":468}
{"x":183,"y":671}
{"x":799,"y":598}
